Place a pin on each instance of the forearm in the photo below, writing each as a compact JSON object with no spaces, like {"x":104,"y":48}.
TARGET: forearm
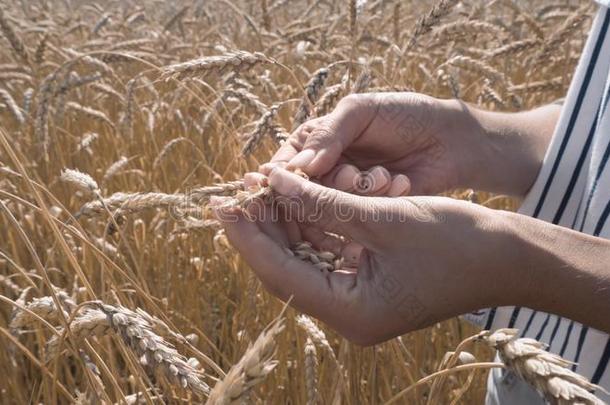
{"x":509,"y":149}
{"x":553,"y":269}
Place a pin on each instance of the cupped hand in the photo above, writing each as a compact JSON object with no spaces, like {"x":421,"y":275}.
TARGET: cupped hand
{"x":383,"y":144}
{"x":410,"y":261}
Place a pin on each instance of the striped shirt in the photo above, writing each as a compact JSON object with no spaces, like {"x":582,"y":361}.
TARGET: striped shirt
{"x":573,"y":190}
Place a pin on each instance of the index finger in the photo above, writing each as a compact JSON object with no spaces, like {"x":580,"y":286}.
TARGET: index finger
{"x":288,"y":150}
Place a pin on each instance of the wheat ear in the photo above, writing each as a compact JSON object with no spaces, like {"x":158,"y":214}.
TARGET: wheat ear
{"x":311,"y":372}
{"x":548,"y":373}
{"x":235,"y":61}
{"x":251,"y":369}
{"x":312,"y":90}
{"x":152,"y":350}
{"x":16,"y":42}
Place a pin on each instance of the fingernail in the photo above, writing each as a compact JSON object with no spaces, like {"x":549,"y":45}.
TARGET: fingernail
{"x":380,"y":178}
{"x":254,"y":180}
{"x":302,"y":159}
{"x":346,"y":177}
{"x":401,"y":185}
{"x":285,"y":183}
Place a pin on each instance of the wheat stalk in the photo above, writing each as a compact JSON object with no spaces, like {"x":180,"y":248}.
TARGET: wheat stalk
{"x":537,"y":87}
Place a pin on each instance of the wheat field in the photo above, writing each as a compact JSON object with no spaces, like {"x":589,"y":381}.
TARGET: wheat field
{"x":120,"y":118}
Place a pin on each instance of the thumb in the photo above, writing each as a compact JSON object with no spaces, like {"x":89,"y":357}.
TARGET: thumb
{"x":327,"y":209}
{"x":325,"y":139}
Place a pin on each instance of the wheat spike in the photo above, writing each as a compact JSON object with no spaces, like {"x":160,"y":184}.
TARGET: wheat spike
{"x":90,"y":112}
{"x":90,"y":322}
{"x":115,"y":168}
{"x":570,"y":25}
{"x":44,"y":307}
{"x":312,"y":90}
{"x":477,"y":66}
{"x":311,"y":372}
{"x":263,"y":126}
{"x":152,"y":350}
{"x":16,"y":43}
{"x":27,"y":101}
{"x":514,"y":48}
{"x":169,"y":146}
{"x":234,"y":61}
{"x":548,"y":373}
{"x":316,"y":334}
{"x":458,"y":29}
{"x":81,"y":180}
{"x":251,"y":369}
{"x":86,"y":142}
{"x":248,"y":98}
{"x":41,"y":48}
{"x":132,"y":202}
{"x":428,"y":21}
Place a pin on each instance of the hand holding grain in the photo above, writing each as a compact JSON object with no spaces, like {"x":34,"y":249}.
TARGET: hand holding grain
{"x":405,"y":264}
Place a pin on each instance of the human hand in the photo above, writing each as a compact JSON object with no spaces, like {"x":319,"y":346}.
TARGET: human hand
{"x":410,"y":144}
{"x":410,"y":262}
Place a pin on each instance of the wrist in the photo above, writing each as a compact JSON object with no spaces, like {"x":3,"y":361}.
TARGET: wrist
{"x":493,"y":251}
{"x":553,"y":269}
{"x":499,"y":152}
